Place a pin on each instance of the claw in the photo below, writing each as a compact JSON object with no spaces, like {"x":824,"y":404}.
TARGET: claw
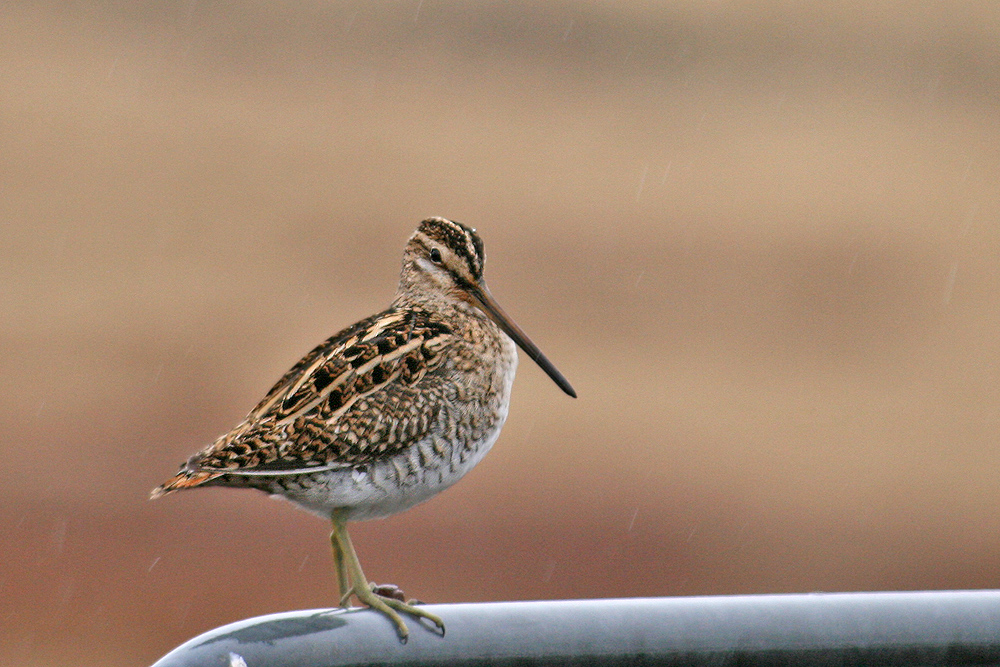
{"x":345,"y":600}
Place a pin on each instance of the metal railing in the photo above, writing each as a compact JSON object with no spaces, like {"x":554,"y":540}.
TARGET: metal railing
{"x":925,"y":628}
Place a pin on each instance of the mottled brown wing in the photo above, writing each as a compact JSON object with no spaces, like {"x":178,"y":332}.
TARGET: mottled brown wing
{"x":351,"y":400}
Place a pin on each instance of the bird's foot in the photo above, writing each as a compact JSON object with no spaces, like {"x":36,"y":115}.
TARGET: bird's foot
{"x":388,"y":599}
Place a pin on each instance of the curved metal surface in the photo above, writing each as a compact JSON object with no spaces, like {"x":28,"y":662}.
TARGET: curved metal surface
{"x":930,"y":628}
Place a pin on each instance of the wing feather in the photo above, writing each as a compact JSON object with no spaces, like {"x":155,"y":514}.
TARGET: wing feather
{"x":352,"y":399}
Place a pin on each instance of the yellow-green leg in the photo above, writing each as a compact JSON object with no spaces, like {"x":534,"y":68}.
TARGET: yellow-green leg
{"x":343,"y":582}
{"x":349,"y":573}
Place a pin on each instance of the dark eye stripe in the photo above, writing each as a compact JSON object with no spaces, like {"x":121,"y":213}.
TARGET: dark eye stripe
{"x":461,"y":240}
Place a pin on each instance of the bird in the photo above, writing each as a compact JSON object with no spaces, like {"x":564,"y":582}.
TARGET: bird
{"x":388,"y":412}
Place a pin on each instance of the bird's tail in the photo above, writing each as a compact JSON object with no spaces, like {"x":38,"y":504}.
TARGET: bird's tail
{"x":185,"y":479}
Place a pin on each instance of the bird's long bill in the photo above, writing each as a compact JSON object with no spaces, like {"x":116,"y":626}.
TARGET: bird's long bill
{"x":490,"y":306}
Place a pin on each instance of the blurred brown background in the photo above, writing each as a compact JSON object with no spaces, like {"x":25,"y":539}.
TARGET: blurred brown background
{"x":760,"y":240}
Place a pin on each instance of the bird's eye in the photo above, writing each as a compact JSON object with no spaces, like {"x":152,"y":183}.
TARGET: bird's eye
{"x":435,"y":255}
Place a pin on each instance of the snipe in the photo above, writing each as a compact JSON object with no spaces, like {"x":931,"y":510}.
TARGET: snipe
{"x":387,"y":413}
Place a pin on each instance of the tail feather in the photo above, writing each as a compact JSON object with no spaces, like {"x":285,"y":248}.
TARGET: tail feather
{"x":185,"y":479}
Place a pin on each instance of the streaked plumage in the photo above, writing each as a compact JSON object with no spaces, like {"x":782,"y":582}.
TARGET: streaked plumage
{"x":388,"y":412}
